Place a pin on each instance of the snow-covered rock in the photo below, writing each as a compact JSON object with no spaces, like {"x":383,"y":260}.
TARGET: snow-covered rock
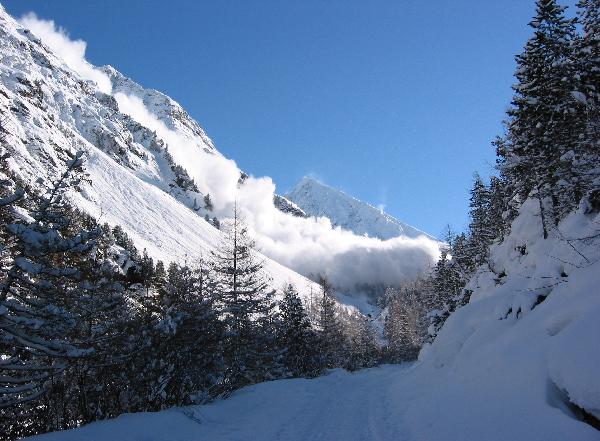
{"x":347,"y":212}
{"x":285,"y":205}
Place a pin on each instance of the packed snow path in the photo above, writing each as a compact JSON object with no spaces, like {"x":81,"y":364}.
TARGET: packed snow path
{"x":340,"y":406}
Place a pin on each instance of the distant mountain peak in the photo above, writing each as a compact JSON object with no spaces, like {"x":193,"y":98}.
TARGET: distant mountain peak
{"x":318,"y":199}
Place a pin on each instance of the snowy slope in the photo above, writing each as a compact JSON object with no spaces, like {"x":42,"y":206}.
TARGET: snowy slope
{"x":317,"y":199}
{"x":51,"y":112}
{"x":518,"y":363}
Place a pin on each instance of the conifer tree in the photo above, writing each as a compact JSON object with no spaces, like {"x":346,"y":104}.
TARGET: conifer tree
{"x":39,"y":287}
{"x":296,"y":336}
{"x":481,"y":231}
{"x":364,"y":350}
{"x":244,"y":299}
{"x":586,"y":58}
{"x":103,"y":321}
{"x":331,"y":334}
{"x":404,"y":322}
{"x":542,"y":133}
{"x":190,"y":335}
{"x":501,"y":208}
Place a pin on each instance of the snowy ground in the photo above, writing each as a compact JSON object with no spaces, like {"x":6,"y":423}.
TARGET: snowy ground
{"x":339,"y":406}
{"x":386,"y":403}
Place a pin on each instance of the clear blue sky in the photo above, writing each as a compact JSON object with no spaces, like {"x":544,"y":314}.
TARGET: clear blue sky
{"x":394,"y":102}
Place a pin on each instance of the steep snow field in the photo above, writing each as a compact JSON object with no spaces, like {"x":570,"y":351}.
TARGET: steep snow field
{"x":510,"y":365}
{"x":318,"y":199}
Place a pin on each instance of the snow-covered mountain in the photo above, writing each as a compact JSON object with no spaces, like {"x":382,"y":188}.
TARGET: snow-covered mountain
{"x":151,"y":167}
{"x":318,"y":199}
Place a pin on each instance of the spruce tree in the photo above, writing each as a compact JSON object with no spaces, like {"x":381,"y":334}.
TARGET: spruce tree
{"x":244,"y":300}
{"x":586,"y":58}
{"x":333,"y":343}
{"x":481,"y":231}
{"x":40,"y":287}
{"x":404,"y":322}
{"x":364,"y":349}
{"x":296,"y":336}
{"x":190,"y":335}
{"x":538,"y":150}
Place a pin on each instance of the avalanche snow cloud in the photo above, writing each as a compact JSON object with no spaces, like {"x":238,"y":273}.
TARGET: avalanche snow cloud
{"x":309,"y":246}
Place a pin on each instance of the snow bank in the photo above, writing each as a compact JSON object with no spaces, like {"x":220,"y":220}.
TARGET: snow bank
{"x":574,"y":359}
{"x":525,"y":348}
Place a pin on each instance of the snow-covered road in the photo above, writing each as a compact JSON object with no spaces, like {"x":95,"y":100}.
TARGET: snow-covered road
{"x":340,"y":406}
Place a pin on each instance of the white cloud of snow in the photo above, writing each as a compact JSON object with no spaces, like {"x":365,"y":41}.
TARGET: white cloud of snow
{"x":71,"y":51}
{"x":309,"y":246}
{"x":212,"y":173}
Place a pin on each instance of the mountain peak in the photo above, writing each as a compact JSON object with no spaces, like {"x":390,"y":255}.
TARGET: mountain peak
{"x":318,"y":199}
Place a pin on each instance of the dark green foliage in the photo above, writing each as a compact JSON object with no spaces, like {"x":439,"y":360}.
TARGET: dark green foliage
{"x":244,"y":301}
{"x":57,"y":319}
{"x":297,"y":337}
{"x":332,"y":341}
{"x":550,"y":150}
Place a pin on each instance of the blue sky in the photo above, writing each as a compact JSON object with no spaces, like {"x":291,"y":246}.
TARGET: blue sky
{"x":393,"y":102}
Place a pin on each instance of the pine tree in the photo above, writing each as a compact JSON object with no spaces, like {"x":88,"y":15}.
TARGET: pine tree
{"x":542,"y":133}
{"x":39,"y":287}
{"x":146,"y":270}
{"x":245,"y":303}
{"x":404,"y":322}
{"x":586,"y":58}
{"x":103,"y":320}
{"x":481,"y":231}
{"x":333,"y":343}
{"x":208,"y":204}
{"x":501,"y":209}
{"x":190,"y":335}
{"x":296,"y":337}
{"x":364,"y":350}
